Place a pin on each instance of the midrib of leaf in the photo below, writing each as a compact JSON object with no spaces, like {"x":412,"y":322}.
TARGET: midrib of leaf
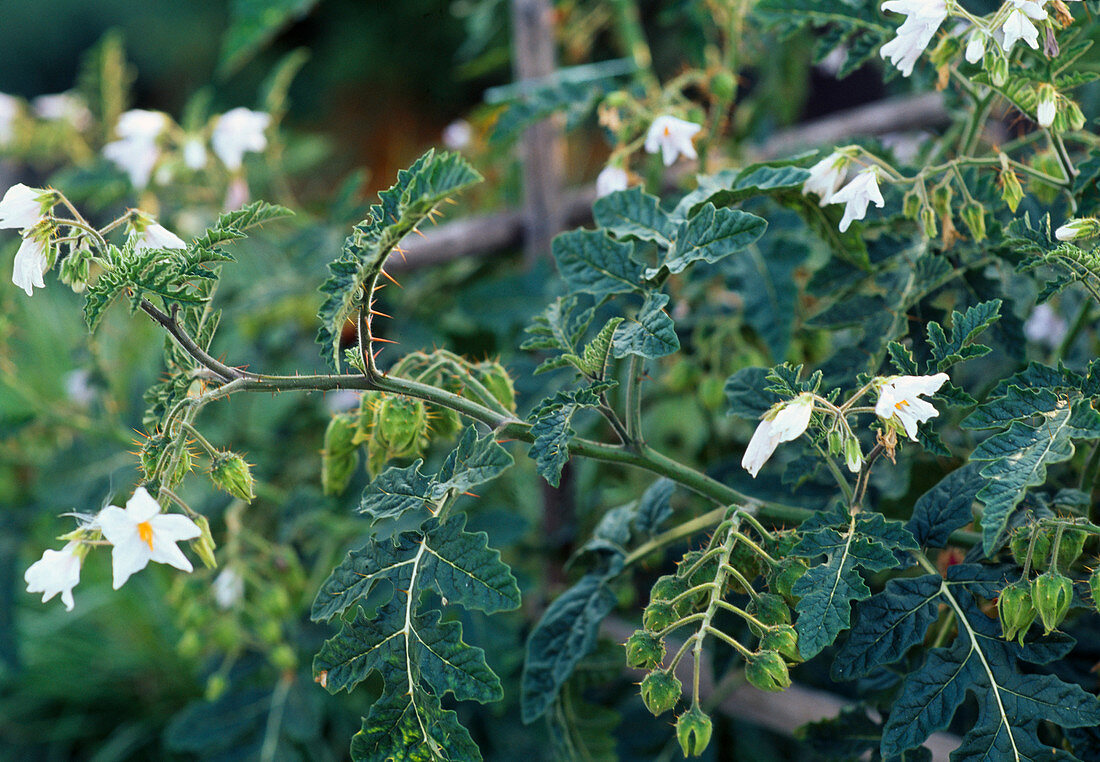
{"x":974,"y":649}
{"x":843,"y":559}
{"x":407,"y":630}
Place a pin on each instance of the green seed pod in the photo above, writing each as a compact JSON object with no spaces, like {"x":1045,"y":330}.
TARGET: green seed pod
{"x":1094,"y":588}
{"x":973,"y":214}
{"x":1040,"y":554}
{"x":787,"y":573}
{"x":658,"y":615}
{"x":668,"y":588}
{"x":644,"y":651}
{"x":693,"y":730}
{"x":770,"y":609}
{"x":1069,"y":549}
{"x":1016,"y":611}
{"x":495,"y":378}
{"x":722,"y":86}
{"x":784,"y":639}
{"x":231,"y":474}
{"x":150,"y":453}
{"x":767,"y":671}
{"x":204,"y":546}
{"x":910,"y":204}
{"x":340,"y":456}
{"x":183,"y":466}
{"x":660,"y":692}
{"x":743,"y":559}
{"x":706,"y":572}
{"x":400,"y":423}
{"x":1051,"y":594}
{"x":1012,"y":193}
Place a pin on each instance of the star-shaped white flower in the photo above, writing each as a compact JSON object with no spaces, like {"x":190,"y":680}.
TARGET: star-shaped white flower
{"x":899,"y":398}
{"x":923,"y":18}
{"x":21,"y":207}
{"x":672,"y":137}
{"x":782,"y":423}
{"x":826,"y":176}
{"x":140,"y":533}
{"x":31,"y":263}
{"x":1018,"y":26}
{"x":610,"y":179}
{"x":862,"y":190}
{"x":135,"y":157}
{"x":58,"y":571}
{"x":236,"y":133}
{"x":156,"y":236}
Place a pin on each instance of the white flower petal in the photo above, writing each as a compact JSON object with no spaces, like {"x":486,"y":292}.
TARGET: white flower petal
{"x":58,"y":571}
{"x":141,"y":506}
{"x":166,"y":552}
{"x":760,"y":448}
{"x":672,"y":137}
{"x":173,"y":527}
{"x":238,"y":132}
{"x":21,"y":207}
{"x":127,"y":558}
{"x":30,"y":265}
{"x":790,"y":422}
{"x":610,"y":180}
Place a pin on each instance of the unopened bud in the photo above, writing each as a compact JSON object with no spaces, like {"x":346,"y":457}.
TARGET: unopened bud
{"x":1051,"y":594}
{"x":767,"y":671}
{"x":973,"y":215}
{"x":911,"y":203}
{"x":693,"y":730}
{"x":997,"y":66}
{"x":231,"y":474}
{"x":928,"y":221}
{"x":1077,"y":229}
{"x":204,"y":546}
{"x":1047,"y":106}
{"x":660,"y":692}
{"x":1011,"y":191}
{"x":835,"y":441}
{"x":1015,"y":610}
{"x":853,"y":455}
{"x":644,"y":650}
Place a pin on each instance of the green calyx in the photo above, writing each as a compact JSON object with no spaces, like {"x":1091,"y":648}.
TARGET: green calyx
{"x":644,"y":651}
{"x":230,"y":473}
{"x":693,"y":731}
{"x":1016,"y":611}
{"x":660,"y":692}
{"x":1051,"y":594}
{"x":767,"y":671}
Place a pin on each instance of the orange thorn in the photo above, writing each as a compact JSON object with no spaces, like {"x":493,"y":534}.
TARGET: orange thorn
{"x":449,"y":200}
{"x":384,"y":341}
{"x":471,"y":494}
{"x":417,"y":231}
{"x":374,"y":356}
{"x":391,"y":278}
{"x":379,"y":314}
{"x":401,"y":251}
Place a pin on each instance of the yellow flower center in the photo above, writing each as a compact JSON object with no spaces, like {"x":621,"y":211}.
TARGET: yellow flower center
{"x":901,"y":403}
{"x":145,"y":532}
{"x":668,"y":132}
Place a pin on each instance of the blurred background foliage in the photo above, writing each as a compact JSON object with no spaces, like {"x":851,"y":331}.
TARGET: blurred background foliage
{"x":162,"y":670}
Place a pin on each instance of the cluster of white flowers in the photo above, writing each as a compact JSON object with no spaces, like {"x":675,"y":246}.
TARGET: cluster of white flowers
{"x":26,"y":209}
{"x":922,"y":19}
{"x":826,"y":178}
{"x":899,"y":406}
{"x":138,"y":533}
{"x":144,"y":135}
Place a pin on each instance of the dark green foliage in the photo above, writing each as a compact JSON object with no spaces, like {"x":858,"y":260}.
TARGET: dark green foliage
{"x":651,"y":334}
{"x":855,"y":25}
{"x":946,"y":507}
{"x":550,"y":425}
{"x":591,"y":262}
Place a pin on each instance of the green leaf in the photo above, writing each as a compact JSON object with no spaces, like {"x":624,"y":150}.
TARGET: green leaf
{"x":474,"y":461}
{"x":1018,"y":458}
{"x":965,"y":327}
{"x":550,"y":425}
{"x":633,"y":213}
{"x":946,"y":507}
{"x":764,"y":276}
{"x":1016,"y":404}
{"x":651,"y":334}
{"x":593,"y":361}
{"x":746,"y":394}
{"x":458,"y":564}
{"x":709,"y":236}
{"x":396,"y":492}
{"x":888,"y":624}
{"x":591,"y":262}
{"x":559,"y":328}
{"x":254,"y":23}
{"x":731,"y":186}
{"x":412,"y":727}
{"x":419,"y":189}
{"x":564,"y":635}
{"x":654,"y":507}
{"x":863,"y":541}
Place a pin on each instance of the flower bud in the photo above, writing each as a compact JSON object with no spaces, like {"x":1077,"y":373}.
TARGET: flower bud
{"x":784,"y":639}
{"x":644,"y":651}
{"x":928,"y":221}
{"x":693,"y":729}
{"x":1051,"y":594}
{"x":1015,"y":610}
{"x":997,"y":66}
{"x":767,"y":671}
{"x":973,"y":215}
{"x":1047,"y":107}
{"x":231,"y":474}
{"x":1078,"y":229}
{"x":340,"y":456}
{"x":658,"y":615}
{"x":216,"y":685}
{"x":911,"y":203}
{"x":660,"y":692}
{"x":835,"y":442}
{"x":284,"y":658}
{"x":1075,"y":119}
{"x":723,"y":86}
{"x":1070,"y":547}
{"x":975,"y":46}
{"x":1011,"y":191}
{"x":853,"y":455}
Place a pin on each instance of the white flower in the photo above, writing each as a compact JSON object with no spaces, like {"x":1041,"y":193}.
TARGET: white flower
{"x":21,"y":207}
{"x":975,"y":46}
{"x":923,"y":18}
{"x":140,"y":533}
{"x":31,"y":264}
{"x":1078,"y":228}
{"x":58,"y":571}
{"x":237,"y":132}
{"x":9,"y":109}
{"x":862,"y":190}
{"x":228,"y":588}
{"x":63,"y":107}
{"x":136,"y":157}
{"x":1045,"y":326}
{"x":853,"y":456}
{"x":194,"y":153}
{"x":609,"y":180}
{"x":141,"y":124}
{"x":826,"y":176}
{"x":1018,"y":26}
{"x":457,"y":135}
{"x":899,"y":398}
{"x":672,"y":137}
{"x":1048,"y":106}
{"x":782,"y":423}
{"x":156,"y":236}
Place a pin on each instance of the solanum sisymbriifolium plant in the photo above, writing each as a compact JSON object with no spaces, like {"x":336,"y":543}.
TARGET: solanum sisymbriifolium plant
{"x":896,"y":493}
